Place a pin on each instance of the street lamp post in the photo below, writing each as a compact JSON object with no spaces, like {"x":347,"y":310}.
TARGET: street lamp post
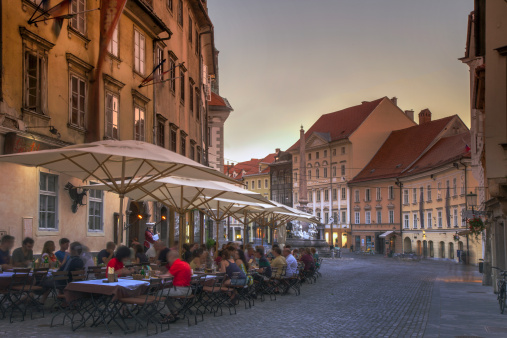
{"x":471,"y":200}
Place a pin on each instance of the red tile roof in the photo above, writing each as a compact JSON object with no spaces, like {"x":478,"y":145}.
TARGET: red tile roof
{"x":341,"y":124}
{"x":401,"y":149}
{"x":217,"y":100}
{"x":446,"y":150}
{"x":250,"y":167}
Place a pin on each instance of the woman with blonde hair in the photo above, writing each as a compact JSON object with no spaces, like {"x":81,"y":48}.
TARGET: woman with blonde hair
{"x":48,"y":252}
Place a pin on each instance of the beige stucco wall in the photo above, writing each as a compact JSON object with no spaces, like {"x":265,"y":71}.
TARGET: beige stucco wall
{"x":20,"y":199}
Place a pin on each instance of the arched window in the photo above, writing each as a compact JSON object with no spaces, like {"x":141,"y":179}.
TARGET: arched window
{"x":442,"y":250}
{"x":317,"y":173}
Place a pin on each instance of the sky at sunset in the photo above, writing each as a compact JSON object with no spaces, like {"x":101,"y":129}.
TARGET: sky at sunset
{"x":283,"y":63}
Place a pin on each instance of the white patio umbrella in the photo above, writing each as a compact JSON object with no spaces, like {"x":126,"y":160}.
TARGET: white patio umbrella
{"x":121,"y":165}
{"x":184,"y":194}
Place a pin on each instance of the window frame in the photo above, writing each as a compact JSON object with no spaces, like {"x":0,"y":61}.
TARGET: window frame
{"x":99,"y":201}
{"x":379,"y":217}
{"x":141,"y":135}
{"x":367,"y":217}
{"x":111,"y":45}
{"x":139,"y":52}
{"x":80,"y":16}
{"x":391,"y":216}
{"x":106,"y":131}
{"x":80,"y":113}
{"x":48,"y":194}
{"x":357,"y":217}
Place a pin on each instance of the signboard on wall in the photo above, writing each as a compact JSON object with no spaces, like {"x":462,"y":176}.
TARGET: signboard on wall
{"x":15,"y":143}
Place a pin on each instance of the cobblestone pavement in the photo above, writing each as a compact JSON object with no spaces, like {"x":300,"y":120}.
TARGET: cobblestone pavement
{"x":357,"y":297}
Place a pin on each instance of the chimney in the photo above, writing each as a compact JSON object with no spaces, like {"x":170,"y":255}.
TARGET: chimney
{"x":277,"y":150}
{"x":394,"y":100}
{"x":424,"y":116}
{"x":410,"y":114}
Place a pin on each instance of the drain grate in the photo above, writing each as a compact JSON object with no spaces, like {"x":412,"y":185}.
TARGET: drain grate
{"x":492,"y":329}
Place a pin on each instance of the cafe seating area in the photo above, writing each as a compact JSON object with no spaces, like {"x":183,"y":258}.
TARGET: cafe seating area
{"x":131,"y":304}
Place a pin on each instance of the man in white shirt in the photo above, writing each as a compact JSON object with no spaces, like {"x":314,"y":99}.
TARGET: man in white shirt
{"x":292,"y":264}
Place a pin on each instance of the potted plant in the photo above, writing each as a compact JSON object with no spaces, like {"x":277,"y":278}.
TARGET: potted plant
{"x":210,"y":243}
{"x":476,"y":226}
{"x":455,"y":237}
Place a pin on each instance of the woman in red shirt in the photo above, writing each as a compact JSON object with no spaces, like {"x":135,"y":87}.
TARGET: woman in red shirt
{"x":122,"y":255}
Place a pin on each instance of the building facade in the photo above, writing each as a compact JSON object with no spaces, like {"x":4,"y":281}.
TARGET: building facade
{"x":154,"y":86}
{"x":219,"y":111}
{"x":337,"y":146}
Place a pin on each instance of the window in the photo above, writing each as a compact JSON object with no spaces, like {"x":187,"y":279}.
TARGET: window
{"x":253,"y":185}
{"x":266,"y":185}
{"x":310,"y":196}
{"x":421,"y":194}
{"x":296,"y":197}
{"x":317,"y":155}
{"x":415,"y":220}
{"x":343,"y":150}
{"x":455,"y":217}
{"x":390,"y":191}
{"x":191,"y":98}
{"x":139,"y":50}
{"x":406,"y":221}
{"x":463,"y":219}
{"x":182,"y":86}
{"x":95,"y":208}
{"x":318,"y":216}
{"x":326,"y":195}
{"x":192,"y":150}
{"x":259,"y":185}
{"x":77,"y":101}
{"x":428,"y":192}
{"x":356,"y":196}
{"x":414,"y":195}
{"x":317,"y":173}
{"x":139,"y":121}
{"x":78,"y":21}
{"x":48,"y":199}
{"x":343,"y":169}
{"x":344,"y":193}
{"x":326,"y":217}
{"x":430,"y":220}
{"x":325,"y":172}
{"x":336,"y":218}
{"x":183,"y":143}
{"x":180,"y":12}
{"x":246,"y":185}
{"x":391,"y":216}
{"x":309,"y":156}
{"x":172,"y":75}
{"x":190,"y":29}
{"x":197,"y":105}
{"x":334,"y":171}
{"x":462,"y":179}
{"x":405,"y":196}
{"x":367,"y":217}
{"x":309,"y":174}
{"x":335,"y":195}
{"x":357,"y":217}
{"x":173,"y":139}
{"x":295,"y":177}
{"x":196,"y":42}
{"x":439,"y":218}
{"x":344,"y":217}
{"x":170,"y":5}
{"x":379,"y":217}
{"x":367,"y":196}
{"x":159,"y":58}
{"x":379,"y":194}
{"x":318,"y":195}
{"x":112,"y":116}
{"x":112,"y":48}
{"x":35,"y":81}
{"x":161,"y":133}
{"x":334,"y":152}
{"x":454,"y":187}
{"x":439,"y":191}
{"x":325,"y":153}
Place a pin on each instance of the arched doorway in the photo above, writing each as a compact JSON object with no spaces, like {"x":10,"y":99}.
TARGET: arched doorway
{"x":460,"y":245}
{"x":451,"y":250}
{"x":425,"y":249}
{"x":432,"y":251}
{"x":419,"y":248}
{"x":442,"y":250}
{"x":407,"y":243}
{"x":133,"y":222}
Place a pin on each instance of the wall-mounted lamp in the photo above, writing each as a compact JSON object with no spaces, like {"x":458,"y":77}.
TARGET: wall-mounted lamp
{"x":52,"y":130}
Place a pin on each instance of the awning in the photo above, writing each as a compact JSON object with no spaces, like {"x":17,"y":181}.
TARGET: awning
{"x":385,"y":234}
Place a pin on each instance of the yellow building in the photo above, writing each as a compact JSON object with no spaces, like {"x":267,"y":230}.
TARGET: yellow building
{"x":51,"y":97}
{"x":337,"y":147}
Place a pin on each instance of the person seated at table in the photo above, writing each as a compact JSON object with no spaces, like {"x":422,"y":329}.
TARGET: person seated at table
{"x":181,"y":275}
{"x":187,"y":254}
{"x":87,"y":258}
{"x":270,"y":255}
{"x":122,"y":255}
{"x":315,"y":256}
{"x":23,"y":256}
{"x":196,"y":262}
{"x":241,"y":261}
{"x":6,"y":244}
{"x":295,"y":253}
{"x":292,"y":263}
{"x":162,"y":251}
{"x":62,"y":254}
{"x":307,"y":259}
{"x":264,"y":271}
{"x":250,"y":254}
{"x":140,"y":256}
{"x":229,"y":266}
{"x":48,"y":253}
{"x":194,"y":247}
{"x":105,"y":255}
{"x":278,"y":261}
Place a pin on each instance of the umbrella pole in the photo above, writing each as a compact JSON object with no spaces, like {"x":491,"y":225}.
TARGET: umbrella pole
{"x":218,"y":225}
{"x":183,"y":229}
{"x":119,"y":232}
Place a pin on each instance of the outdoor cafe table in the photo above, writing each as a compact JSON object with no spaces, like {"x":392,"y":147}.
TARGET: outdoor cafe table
{"x":102,"y":297}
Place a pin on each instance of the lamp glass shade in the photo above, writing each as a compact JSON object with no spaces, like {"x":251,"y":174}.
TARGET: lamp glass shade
{"x":471,"y":199}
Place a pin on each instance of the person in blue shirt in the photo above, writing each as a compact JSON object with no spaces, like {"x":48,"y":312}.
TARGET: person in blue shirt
{"x":6,"y":244}
{"x":62,"y":254}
